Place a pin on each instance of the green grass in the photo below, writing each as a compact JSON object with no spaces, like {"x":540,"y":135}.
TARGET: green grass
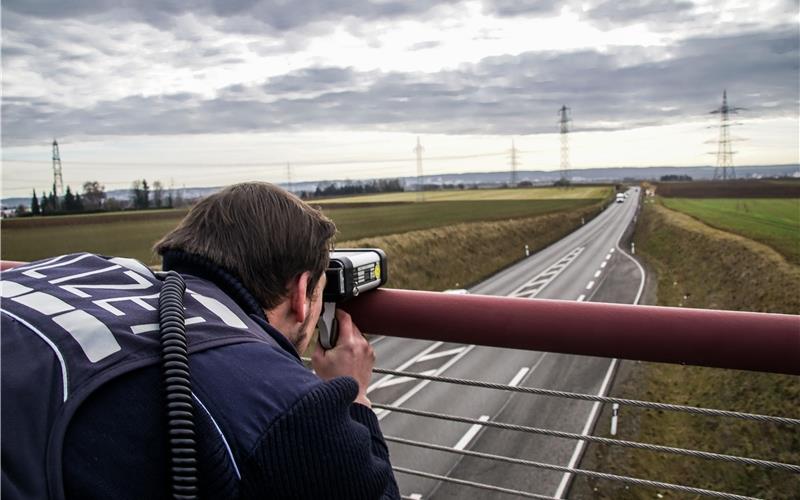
{"x":772,"y":221}
{"x":546,"y":193}
{"x":133,"y":234}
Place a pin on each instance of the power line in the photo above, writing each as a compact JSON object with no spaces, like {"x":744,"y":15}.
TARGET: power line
{"x":276,"y":164}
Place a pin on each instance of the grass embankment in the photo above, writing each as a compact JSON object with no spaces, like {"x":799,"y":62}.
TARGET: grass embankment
{"x":459,"y":255}
{"x":132,"y":234}
{"x":699,"y":266}
{"x":774,"y":222}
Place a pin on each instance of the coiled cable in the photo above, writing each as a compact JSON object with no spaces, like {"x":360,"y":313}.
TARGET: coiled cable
{"x":177,"y":384}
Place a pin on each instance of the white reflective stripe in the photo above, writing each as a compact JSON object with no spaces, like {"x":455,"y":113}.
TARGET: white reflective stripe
{"x":220,"y":310}
{"x":92,"y":335}
{"x":140,"y":284}
{"x":44,"y":303}
{"x":152,"y":327}
{"x":138,"y":300}
{"x":10,"y":289}
{"x":224,"y":441}
{"x":133,"y":265}
{"x":81,"y":275}
{"x":52,"y":346}
{"x":32,"y":271}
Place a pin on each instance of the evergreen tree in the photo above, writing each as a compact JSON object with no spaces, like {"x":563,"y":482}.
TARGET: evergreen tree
{"x":69,"y":200}
{"x":35,"y":208}
{"x":145,"y":194}
{"x":78,"y":202}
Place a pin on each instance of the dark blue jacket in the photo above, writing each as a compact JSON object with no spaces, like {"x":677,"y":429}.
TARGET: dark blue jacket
{"x":83,"y":410}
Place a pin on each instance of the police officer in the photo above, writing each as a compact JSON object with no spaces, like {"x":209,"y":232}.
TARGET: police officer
{"x":82,"y":395}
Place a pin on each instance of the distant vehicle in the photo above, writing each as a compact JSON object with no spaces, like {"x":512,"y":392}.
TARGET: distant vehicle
{"x":620,"y":197}
{"x":457,"y":291}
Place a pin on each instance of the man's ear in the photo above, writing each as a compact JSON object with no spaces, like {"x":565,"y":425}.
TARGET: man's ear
{"x":298,"y":297}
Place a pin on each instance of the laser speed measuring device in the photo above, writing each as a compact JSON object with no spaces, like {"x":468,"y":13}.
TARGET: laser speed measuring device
{"x":351,"y":272}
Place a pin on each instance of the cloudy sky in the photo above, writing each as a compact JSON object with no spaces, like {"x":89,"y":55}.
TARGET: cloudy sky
{"x":208,"y":92}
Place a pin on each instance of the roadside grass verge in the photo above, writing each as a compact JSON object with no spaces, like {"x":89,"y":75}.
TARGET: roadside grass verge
{"x":702,"y":267}
{"x":772,"y":221}
{"x":132,"y":234}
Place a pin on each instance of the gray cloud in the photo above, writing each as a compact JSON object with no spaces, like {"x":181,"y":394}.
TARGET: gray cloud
{"x":237,"y":15}
{"x":499,"y":95}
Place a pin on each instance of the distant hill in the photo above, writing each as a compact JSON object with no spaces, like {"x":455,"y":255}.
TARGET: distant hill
{"x":494,"y":179}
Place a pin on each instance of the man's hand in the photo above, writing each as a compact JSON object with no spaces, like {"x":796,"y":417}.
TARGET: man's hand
{"x":352,"y":357}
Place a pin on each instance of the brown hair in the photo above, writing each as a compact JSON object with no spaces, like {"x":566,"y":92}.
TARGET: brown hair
{"x":263,"y":234}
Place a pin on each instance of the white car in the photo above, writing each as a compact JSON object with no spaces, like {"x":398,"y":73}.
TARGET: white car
{"x":620,"y":197}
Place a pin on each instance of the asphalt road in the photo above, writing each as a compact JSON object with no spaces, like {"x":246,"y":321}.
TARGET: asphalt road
{"x":585,"y":265}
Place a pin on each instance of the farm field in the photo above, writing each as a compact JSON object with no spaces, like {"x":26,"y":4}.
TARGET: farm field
{"x":543,"y":193}
{"x":750,"y":188}
{"x":772,"y":221}
{"x":133,"y":234}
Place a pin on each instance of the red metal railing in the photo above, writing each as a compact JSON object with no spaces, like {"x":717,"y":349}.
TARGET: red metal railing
{"x":722,"y":339}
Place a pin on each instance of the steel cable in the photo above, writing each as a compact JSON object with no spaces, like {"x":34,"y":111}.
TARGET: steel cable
{"x":559,"y":468}
{"x":464,"y":482}
{"x":603,"y":399}
{"x":601,"y":440}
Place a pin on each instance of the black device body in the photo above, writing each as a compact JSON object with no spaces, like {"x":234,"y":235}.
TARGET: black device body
{"x":351,"y":271}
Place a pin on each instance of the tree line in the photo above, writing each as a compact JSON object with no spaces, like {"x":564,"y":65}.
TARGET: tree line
{"x":94,"y":199}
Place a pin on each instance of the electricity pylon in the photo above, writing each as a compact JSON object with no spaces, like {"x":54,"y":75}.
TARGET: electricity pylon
{"x":58,"y":181}
{"x":724,"y":169}
{"x":563,"y":121}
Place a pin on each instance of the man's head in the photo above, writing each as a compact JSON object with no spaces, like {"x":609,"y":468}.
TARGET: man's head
{"x":269,"y":238}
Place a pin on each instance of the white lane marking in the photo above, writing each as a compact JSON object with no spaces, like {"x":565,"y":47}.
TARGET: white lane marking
{"x":405,"y":397}
{"x":597,"y":274}
{"x":401,"y":380}
{"x":440,"y":354}
{"x":405,"y":365}
{"x":581,"y":298}
{"x":535,"y":285}
{"x":573,"y":461}
{"x":611,"y":250}
{"x":608,"y":256}
{"x":519,"y":376}
{"x":603,"y":264}
{"x":590,"y":285}
{"x":466,"y":438}
{"x":415,"y":496}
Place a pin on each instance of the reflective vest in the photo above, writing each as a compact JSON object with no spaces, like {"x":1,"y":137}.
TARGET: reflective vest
{"x":71,"y":324}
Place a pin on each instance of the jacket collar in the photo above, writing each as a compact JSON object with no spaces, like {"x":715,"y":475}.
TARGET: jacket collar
{"x":186,"y":263}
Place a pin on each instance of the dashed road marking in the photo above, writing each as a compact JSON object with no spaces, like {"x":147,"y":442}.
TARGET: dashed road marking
{"x":608,"y":256}
{"x":597,"y":274}
{"x":471,"y":433}
{"x":519,"y":376}
{"x":603,"y":264}
{"x":590,"y":285}
{"x":581,"y":298}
